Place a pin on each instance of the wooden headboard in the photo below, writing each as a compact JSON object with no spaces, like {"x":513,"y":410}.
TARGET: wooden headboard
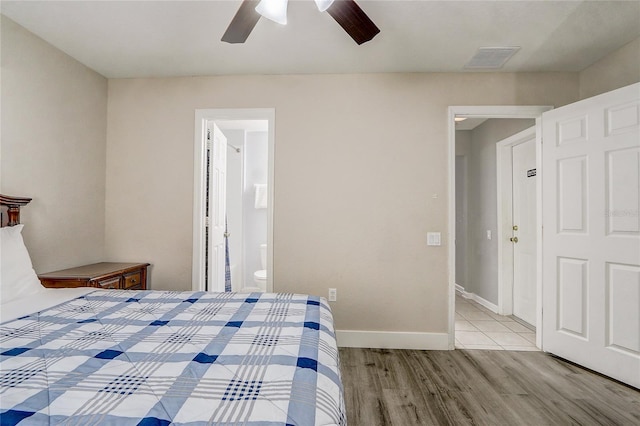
{"x":10,"y":209}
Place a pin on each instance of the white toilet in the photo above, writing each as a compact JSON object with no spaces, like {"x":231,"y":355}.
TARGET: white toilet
{"x":260,"y":276}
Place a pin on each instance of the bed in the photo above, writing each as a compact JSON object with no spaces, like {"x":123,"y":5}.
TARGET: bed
{"x":121,"y":357}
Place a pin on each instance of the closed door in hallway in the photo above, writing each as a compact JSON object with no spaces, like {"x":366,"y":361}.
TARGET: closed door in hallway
{"x":524,"y":230}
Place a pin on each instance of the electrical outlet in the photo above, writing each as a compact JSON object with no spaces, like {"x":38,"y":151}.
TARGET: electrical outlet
{"x":333,"y":294}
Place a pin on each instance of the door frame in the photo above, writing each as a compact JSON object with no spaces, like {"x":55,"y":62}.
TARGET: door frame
{"x":202,"y":116}
{"x":504,"y":180}
{"x":497,"y":111}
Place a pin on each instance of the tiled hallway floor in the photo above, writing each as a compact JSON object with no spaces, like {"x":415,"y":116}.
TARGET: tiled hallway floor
{"x":479,"y":328}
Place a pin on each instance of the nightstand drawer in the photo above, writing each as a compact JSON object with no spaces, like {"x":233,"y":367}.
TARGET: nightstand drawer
{"x":132,"y":280}
{"x":110,"y":283}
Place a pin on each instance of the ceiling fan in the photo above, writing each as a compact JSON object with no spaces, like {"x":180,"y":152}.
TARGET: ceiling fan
{"x":346,"y":13}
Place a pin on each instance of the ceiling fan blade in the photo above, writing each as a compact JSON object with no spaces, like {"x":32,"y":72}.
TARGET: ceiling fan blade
{"x":353,"y":20}
{"x":242,"y":23}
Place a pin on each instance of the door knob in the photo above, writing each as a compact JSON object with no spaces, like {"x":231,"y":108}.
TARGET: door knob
{"x":513,"y":239}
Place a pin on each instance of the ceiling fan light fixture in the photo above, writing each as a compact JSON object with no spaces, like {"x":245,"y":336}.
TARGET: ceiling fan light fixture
{"x":275,"y":10}
{"x":323,"y":4}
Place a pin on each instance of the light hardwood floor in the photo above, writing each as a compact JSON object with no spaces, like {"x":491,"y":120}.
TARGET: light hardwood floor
{"x":479,"y":387}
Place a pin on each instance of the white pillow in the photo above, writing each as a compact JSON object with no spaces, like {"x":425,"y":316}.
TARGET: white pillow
{"x":17,"y":277}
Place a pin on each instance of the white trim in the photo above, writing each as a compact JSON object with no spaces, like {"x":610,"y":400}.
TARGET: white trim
{"x":481,"y":301}
{"x":462,"y":292}
{"x":452,"y":226}
{"x":392,"y":340}
{"x":499,"y":111}
{"x":199,"y":185}
{"x":504,"y":177}
{"x":201,"y":118}
{"x":484,"y":302}
{"x":539,"y":172}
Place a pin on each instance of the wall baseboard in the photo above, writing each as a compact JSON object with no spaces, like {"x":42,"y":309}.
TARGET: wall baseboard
{"x":484,"y":302}
{"x":392,"y":340}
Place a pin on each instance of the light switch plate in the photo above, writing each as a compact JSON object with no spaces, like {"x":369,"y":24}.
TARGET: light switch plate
{"x":433,"y":238}
{"x":333,"y":295}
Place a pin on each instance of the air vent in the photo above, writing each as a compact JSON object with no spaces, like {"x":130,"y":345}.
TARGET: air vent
{"x":491,"y":57}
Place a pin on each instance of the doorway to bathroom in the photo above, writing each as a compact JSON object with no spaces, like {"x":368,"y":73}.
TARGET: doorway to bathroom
{"x":233,"y":200}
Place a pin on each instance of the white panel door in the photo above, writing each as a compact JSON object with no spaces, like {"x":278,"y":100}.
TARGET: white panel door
{"x":524,"y":218}
{"x":591,"y":233}
{"x":217,"y":209}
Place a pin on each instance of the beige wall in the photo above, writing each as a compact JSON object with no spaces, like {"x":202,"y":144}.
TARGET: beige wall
{"x":357,"y":160}
{"x":618,"y":69}
{"x":53,"y":148}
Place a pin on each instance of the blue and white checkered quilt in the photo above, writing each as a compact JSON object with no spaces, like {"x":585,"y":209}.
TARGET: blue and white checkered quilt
{"x":159,"y":358}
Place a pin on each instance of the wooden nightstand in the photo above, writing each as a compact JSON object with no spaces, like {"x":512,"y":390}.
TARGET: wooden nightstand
{"x":127,"y":276}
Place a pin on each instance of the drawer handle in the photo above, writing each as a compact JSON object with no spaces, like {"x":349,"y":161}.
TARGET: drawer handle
{"x":133,"y":280}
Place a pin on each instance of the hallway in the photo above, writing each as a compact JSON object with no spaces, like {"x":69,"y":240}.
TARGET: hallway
{"x":479,"y":328}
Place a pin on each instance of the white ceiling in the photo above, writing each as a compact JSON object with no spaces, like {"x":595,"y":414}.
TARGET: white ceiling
{"x":180,"y":38}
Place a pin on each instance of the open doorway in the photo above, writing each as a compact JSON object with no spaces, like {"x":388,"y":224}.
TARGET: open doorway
{"x":476,"y":233}
{"x":247,"y":172}
{"x":233,"y":200}
{"x":486,"y":314}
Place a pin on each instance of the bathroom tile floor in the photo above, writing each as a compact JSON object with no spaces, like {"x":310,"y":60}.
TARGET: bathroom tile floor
{"x":479,"y":328}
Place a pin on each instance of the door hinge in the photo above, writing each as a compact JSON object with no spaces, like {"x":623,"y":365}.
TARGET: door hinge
{"x":208,"y":144}
{"x":206,"y":222}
